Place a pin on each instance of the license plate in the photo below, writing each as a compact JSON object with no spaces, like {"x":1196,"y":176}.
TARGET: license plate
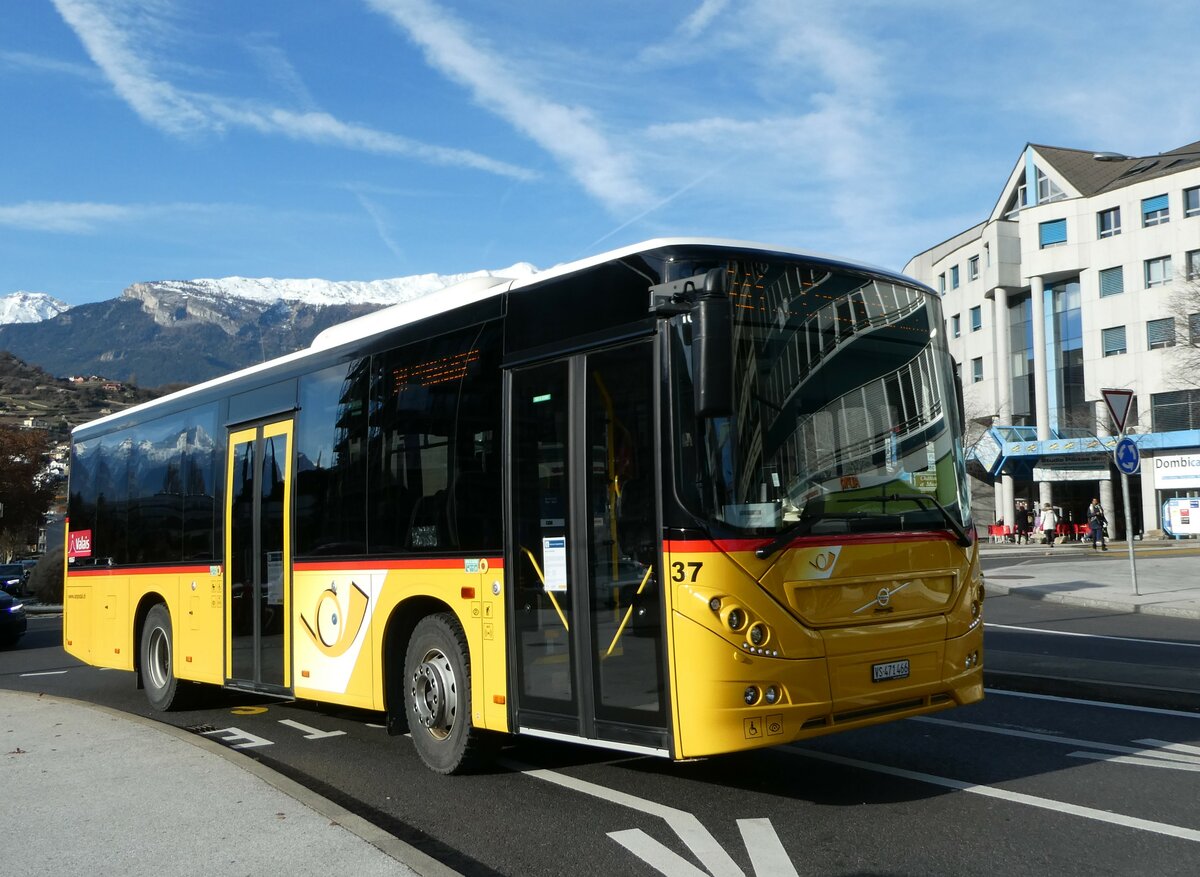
{"x":890,"y":670}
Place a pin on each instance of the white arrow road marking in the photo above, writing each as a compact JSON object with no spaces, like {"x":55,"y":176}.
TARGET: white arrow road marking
{"x":310,"y":733}
{"x":655,"y":854}
{"x":228,"y":735}
{"x":767,"y":855}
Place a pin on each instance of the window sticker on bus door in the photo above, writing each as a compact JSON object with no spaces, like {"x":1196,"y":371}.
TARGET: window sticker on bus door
{"x":554,"y":562}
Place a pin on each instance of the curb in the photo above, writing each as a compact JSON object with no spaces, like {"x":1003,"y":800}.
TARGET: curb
{"x":388,"y":844}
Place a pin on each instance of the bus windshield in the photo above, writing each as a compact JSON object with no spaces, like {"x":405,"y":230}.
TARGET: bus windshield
{"x":844,"y":419}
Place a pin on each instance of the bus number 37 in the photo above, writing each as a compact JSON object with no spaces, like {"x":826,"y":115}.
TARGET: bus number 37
{"x":679,"y":571}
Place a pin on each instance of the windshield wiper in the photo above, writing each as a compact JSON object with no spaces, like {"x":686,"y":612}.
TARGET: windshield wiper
{"x":963,"y":539}
{"x":797,"y":529}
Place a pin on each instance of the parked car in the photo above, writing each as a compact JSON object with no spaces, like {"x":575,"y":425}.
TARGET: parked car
{"x":12,"y":620}
{"x":12,"y":578}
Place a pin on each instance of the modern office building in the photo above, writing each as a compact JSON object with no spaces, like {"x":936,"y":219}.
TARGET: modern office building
{"x":1085,"y":276}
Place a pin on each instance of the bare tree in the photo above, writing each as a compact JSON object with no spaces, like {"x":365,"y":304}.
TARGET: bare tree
{"x":1185,"y":305}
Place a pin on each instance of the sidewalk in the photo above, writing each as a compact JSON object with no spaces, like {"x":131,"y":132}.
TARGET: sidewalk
{"x":1168,"y":575}
{"x":108,"y":793}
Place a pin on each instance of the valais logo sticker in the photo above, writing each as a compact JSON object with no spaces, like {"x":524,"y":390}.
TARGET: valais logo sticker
{"x":79,"y":544}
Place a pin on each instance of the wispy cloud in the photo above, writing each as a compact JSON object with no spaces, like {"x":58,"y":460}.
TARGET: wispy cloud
{"x":381,"y":225}
{"x":62,"y":216}
{"x":116,"y":36}
{"x":110,"y":46}
{"x":571,"y":134}
{"x":41,"y":64}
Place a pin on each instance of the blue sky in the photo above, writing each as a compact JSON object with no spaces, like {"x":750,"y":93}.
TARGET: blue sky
{"x":362,"y":139}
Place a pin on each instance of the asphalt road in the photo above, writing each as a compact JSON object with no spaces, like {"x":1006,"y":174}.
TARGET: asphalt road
{"x":1020,"y":784}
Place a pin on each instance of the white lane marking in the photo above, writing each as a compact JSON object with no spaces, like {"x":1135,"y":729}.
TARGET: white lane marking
{"x":228,"y":735}
{"x":1012,"y":797}
{"x":310,"y":733}
{"x":1046,"y":738}
{"x":1150,"y":710}
{"x":654,"y":854}
{"x":1152,"y":761}
{"x":1173,"y":747}
{"x":1124,"y":639}
{"x":767,"y":854}
{"x":44,"y":673}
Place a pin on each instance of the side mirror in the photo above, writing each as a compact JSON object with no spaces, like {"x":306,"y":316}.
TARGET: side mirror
{"x":712,"y":348}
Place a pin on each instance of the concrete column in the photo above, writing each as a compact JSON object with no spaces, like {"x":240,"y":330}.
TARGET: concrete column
{"x":998,"y":493}
{"x":1108,"y":500}
{"x":1042,"y":401}
{"x":1003,"y":365}
{"x":1010,"y":511}
{"x":1151,"y":511}
{"x":1045,"y":493}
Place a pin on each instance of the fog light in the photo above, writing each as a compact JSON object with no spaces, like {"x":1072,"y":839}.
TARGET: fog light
{"x":750,"y":695}
{"x":771,"y":695}
{"x":758,"y":634}
{"x":736,"y":619}
{"x":975,"y":609}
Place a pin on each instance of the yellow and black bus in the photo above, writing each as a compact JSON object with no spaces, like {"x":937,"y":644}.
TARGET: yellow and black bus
{"x":684,"y":498}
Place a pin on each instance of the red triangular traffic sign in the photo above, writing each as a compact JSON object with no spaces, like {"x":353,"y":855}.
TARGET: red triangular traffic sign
{"x":1118,"y":402}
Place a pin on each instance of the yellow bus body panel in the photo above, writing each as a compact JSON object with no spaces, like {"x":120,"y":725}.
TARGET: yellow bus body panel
{"x":830,"y":614}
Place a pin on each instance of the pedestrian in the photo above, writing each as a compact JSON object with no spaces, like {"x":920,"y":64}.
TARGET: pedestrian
{"x":1027,"y":523}
{"x":1096,"y":524}
{"x":1049,"y":523}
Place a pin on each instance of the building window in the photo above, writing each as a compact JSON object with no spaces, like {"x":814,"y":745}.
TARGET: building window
{"x":942,"y":283}
{"x":1191,"y":264}
{"x":973,"y":268}
{"x":1191,"y":201}
{"x":1194,"y":329}
{"x":1160,"y":333}
{"x":977,"y":369}
{"x":1177,"y":410}
{"x":1155,"y":210}
{"x":1108,"y":222}
{"x":1112,"y":281}
{"x":1053,"y":233}
{"x":1158,"y":271}
{"x":976,"y":318}
{"x":954,"y":277}
{"x":956,"y":325}
{"x":1114,"y":340}
{"x":1047,"y":189}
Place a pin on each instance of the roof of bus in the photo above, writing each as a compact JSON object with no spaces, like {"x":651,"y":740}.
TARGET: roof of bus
{"x":472,"y":290}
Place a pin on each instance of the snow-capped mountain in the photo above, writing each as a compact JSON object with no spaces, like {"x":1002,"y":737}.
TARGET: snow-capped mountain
{"x":185,"y":331}
{"x":29,"y":307}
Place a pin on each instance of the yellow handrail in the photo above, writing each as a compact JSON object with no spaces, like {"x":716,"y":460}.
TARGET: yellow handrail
{"x":629,"y":611}
{"x":537,"y":569}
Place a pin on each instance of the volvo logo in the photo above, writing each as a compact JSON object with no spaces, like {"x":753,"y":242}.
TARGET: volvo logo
{"x":883,"y":598}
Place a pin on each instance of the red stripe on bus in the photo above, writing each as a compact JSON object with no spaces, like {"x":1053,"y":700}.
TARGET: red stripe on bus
{"x":728,"y":546}
{"x":89,"y":571}
{"x":428,"y":563}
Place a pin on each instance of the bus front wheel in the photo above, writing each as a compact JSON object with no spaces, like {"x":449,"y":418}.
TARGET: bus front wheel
{"x":163,"y":689}
{"x":438,"y":696}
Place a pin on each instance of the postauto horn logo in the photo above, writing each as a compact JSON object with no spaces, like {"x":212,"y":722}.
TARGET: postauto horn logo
{"x":334,"y":631}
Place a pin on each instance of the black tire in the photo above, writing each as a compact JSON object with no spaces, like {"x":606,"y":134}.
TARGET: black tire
{"x":163,"y":689}
{"x":437,"y":697}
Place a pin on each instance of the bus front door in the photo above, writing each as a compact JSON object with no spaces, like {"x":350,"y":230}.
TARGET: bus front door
{"x":258,"y":558}
{"x":587,"y":606}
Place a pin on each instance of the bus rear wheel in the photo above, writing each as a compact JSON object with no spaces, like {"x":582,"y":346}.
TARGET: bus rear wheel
{"x":163,"y":689}
{"x":437,"y":697}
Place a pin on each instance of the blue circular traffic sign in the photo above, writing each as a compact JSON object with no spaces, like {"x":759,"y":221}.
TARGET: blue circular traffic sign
{"x":1127,"y":456}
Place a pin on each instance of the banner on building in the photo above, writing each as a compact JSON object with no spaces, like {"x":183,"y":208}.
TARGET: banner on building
{"x":1177,"y":471}
{"x":1181,"y":517}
